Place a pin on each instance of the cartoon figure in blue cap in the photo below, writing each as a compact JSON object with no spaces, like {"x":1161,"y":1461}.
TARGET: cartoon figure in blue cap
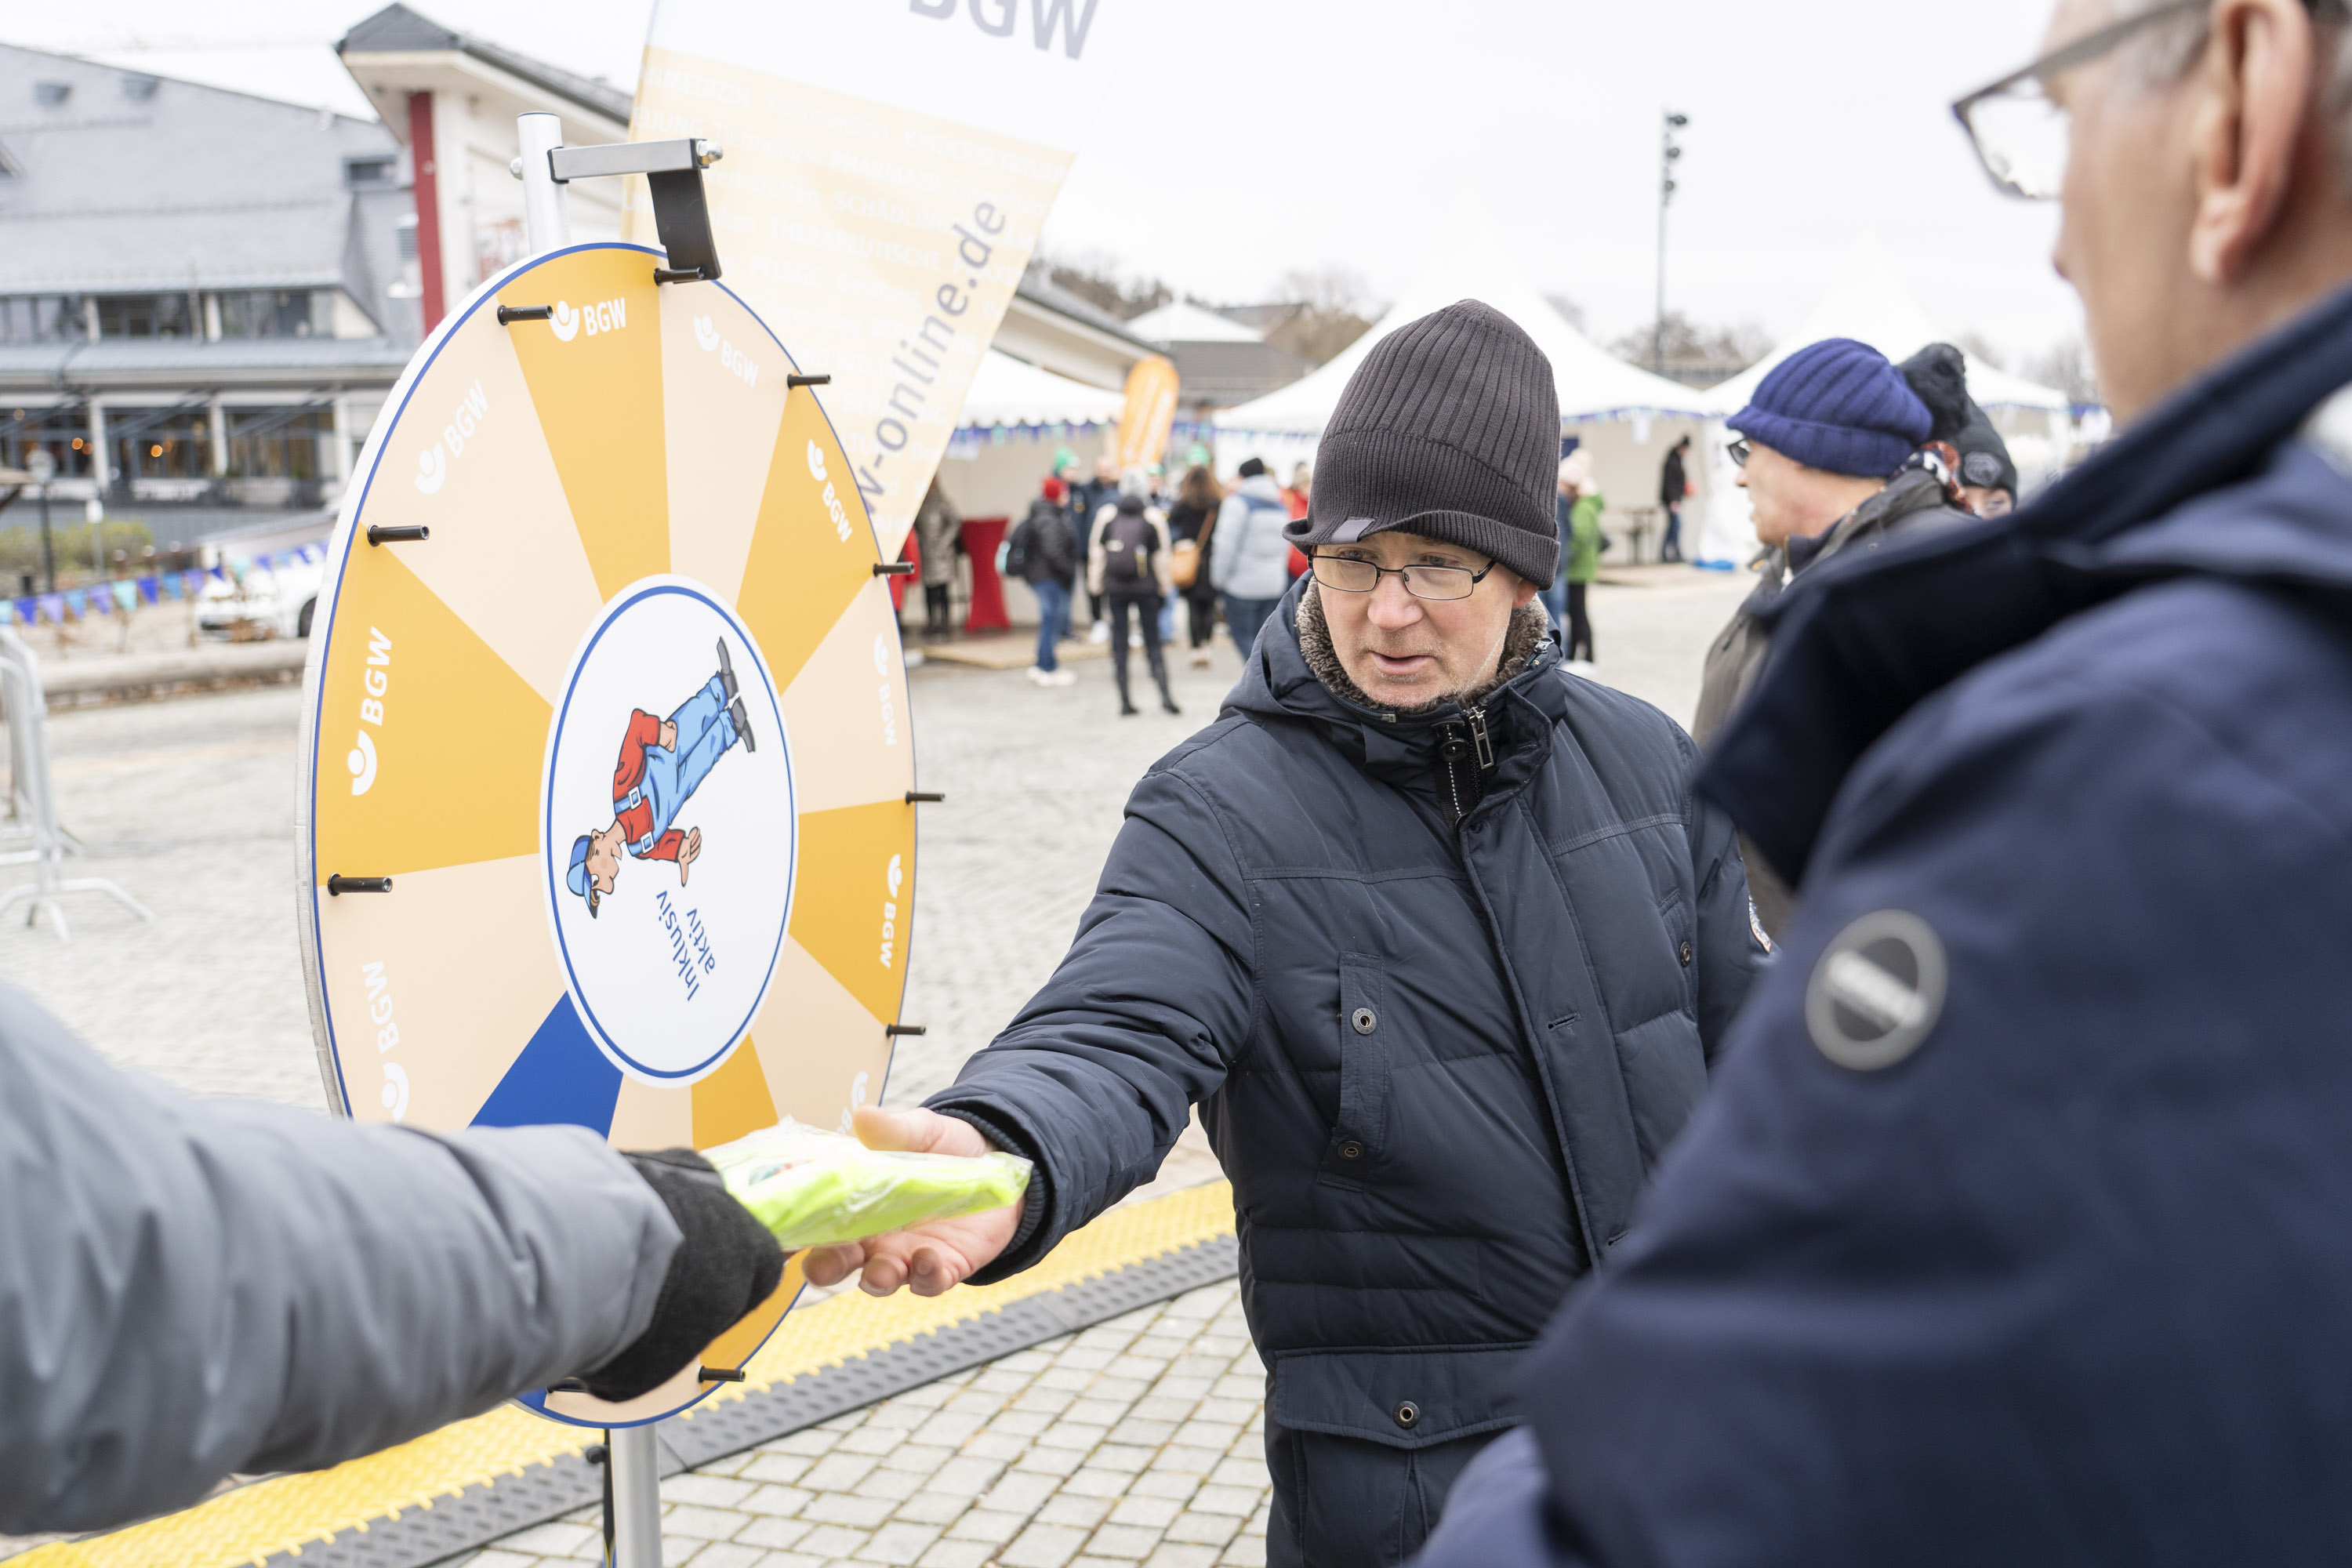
{"x":663,"y":762}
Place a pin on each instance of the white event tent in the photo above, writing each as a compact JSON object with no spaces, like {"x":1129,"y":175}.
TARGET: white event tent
{"x":1014,"y":395}
{"x":1185,"y":322}
{"x":1626,"y":417}
{"x":1013,"y":418}
{"x":1867,"y":302}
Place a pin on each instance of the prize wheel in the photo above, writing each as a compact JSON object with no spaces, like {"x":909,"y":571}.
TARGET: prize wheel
{"x":604,"y":815}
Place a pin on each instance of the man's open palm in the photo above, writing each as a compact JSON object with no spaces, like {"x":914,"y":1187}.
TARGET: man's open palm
{"x":933,"y":1258}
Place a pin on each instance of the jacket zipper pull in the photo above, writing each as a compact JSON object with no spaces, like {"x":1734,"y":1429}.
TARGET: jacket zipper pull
{"x":1478,"y":717}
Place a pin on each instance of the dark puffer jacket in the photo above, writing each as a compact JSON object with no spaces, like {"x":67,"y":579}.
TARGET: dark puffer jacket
{"x":1436,"y":1063}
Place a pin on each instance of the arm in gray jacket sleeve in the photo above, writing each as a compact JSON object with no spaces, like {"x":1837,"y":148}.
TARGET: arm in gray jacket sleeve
{"x":1225,"y":541}
{"x":191,"y":1287}
{"x":1096,"y":1079}
{"x":1730,"y":944}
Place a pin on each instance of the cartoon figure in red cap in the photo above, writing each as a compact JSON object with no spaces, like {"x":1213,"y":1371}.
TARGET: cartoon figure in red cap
{"x":663,"y":762}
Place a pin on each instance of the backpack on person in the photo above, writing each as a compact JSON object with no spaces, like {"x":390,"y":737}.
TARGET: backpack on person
{"x":1127,"y":542}
{"x":1016,"y":552}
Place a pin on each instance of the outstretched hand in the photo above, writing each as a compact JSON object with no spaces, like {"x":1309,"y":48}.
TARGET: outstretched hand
{"x":933,"y":1258}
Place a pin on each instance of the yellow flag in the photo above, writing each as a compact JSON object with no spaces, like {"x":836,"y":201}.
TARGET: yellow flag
{"x":1151,"y":413}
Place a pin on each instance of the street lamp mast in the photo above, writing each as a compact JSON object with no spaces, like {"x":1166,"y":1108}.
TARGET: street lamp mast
{"x":43,"y":468}
{"x":1670,"y":152}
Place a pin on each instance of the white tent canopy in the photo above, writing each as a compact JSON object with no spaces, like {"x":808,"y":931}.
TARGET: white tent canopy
{"x":1007,"y":391}
{"x":1471,"y":262}
{"x":1185,"y":322}
{"x":1868,"y":303}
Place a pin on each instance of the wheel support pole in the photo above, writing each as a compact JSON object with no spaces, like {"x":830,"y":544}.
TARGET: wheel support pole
{"x":635,"y":1463}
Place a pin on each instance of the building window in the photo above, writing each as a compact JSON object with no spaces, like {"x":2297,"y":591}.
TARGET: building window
{"x":277,"y":443}
{"x":49,"y":94}
{"x":277,"y":314}
{"x":43,"y":318}
{"x":370,"y":173}
{"x":149,"y":316}
{"x":175,"y":444}
{"x":63,"y":431}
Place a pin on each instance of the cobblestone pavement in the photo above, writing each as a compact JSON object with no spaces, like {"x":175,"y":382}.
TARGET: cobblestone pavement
{"x":1136,"y":1441}
{"x":1121,"y":1441}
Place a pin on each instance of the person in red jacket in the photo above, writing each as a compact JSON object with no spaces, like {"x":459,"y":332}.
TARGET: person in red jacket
{"x":663,"y":762}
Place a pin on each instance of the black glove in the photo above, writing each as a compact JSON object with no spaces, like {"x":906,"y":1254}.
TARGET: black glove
{"x":727,"y":1265}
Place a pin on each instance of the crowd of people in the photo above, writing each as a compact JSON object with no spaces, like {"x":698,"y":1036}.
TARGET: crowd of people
{"x":1912,"y":1128}
{"x":1136,"y":552}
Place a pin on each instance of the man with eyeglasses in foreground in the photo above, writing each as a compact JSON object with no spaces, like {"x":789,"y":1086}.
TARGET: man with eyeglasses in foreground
{"x":1435,"y":933}
{"x":2014,"y":1231}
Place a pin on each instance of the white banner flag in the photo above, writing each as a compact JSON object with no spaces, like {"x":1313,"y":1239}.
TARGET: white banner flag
{"x":888,"y":164}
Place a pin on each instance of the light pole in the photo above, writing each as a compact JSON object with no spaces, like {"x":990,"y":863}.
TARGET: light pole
{"x":43,"y":468}
{"x":1670,"y":152}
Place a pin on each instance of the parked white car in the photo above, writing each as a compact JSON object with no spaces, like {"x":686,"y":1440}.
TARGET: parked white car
{"x":269,"y":602}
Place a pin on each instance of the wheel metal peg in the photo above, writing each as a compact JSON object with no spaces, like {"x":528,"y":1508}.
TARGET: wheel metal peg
{"x":894,"y":569}
{"x":412,"y":533}
{"x":898,"y":1031}
{"x":924,"y":797}
{"x":510,"y":314}
{"x":338,"y":885}
{"x":719,"y":1374}
{"x":793,"y":380}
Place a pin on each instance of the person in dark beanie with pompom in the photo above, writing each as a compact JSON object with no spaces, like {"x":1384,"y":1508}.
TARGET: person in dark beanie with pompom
{"x":1435,"y":934}
{"x":1832,"y":457}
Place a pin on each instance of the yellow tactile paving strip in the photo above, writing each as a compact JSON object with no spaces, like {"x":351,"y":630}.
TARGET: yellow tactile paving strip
{"x":287,"y":1512}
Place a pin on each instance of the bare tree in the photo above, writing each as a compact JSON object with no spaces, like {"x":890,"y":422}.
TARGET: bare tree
{"x":1325,"y":310}
{"x":1980,"y":348}
{"x":2067,"y":366}
{"x":1695,"y":355}
{"x":1101,"y":281}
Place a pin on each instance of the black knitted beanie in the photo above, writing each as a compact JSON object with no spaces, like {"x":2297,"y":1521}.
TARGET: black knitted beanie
{"x":1450,"y":429}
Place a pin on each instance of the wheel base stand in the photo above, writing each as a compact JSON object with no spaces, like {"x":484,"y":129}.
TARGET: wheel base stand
{"x":633,"y":1502}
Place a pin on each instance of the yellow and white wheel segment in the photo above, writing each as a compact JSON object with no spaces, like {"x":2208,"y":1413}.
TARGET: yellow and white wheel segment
{"x":646,"y":556}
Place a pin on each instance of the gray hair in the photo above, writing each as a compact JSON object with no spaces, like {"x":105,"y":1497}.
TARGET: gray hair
{"x":2168,"y":52}
{"x":2164,"y":53}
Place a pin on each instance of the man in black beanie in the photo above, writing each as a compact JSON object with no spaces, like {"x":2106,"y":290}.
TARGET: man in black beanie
{"x":1436,"y":935}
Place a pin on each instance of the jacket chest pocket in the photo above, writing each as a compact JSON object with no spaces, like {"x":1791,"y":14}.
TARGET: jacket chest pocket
{"x":1362,"y":1129}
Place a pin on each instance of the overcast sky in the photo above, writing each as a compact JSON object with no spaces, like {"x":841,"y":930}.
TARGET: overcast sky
{"x":1250,"y":137}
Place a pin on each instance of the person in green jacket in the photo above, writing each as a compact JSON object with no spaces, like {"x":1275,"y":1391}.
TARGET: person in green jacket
{"x":1583,"y":501}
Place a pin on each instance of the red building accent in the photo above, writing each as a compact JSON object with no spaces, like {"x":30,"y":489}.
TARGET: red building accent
{"x":428,"y":191}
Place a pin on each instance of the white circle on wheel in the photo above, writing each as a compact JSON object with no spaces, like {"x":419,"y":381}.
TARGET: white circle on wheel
{"x":667,"y":824}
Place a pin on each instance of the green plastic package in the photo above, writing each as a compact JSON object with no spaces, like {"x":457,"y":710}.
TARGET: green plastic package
{"x":814,"y":1189}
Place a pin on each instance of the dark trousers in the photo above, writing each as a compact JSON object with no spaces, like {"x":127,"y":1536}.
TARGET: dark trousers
{"x":1345,"y":1503}
{"x":1670,"y":548}
{"x":1243,"y":617}
{"x":1146,"y":608}
{"x":1579,"y":623}
{"x":1202,"y":603}
{"x":938,"y":611}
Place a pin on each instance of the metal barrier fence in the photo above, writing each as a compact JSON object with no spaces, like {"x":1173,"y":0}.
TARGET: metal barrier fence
{"x":31,"y":834}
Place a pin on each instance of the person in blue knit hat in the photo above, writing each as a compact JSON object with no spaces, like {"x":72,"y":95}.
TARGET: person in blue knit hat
{"x":1830,"y":455}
